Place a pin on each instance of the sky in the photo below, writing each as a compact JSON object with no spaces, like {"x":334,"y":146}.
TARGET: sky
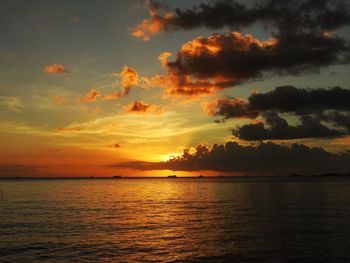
{"x":151,"y":88}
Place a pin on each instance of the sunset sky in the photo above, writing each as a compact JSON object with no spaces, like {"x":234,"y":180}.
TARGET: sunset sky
{"x":102,"y":88}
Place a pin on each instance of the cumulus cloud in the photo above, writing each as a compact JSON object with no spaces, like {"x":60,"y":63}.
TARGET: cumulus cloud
{"x":303,"y":40}
{"x":263,"y":158}
{"x":140,"y":107}
{"x":225,"y":60}
{"x":230,"y":108}
{"x":205,"y":65}
{"x":306,"y":15}
{"x":279,"y":129}
{"x":56,"y":69}
{"x":292,"y":99}
{"x":286,"y":99}
{"x":312,"y":106}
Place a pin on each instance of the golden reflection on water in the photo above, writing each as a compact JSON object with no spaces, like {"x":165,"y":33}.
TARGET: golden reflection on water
{"x":134,"y":220}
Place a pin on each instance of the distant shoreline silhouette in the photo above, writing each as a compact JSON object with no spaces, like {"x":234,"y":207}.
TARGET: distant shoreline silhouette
{"x":171,"y":177}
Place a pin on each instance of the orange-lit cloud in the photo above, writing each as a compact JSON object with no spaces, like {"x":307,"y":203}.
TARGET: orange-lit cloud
{"x":153,"y":25}
{"x":56,"y":69}
{"x":91,"y":96}
{"x":128,"y":79}
{"x":205,"y":65}
{"x":163,"y":58}
{"x":141,"y":107}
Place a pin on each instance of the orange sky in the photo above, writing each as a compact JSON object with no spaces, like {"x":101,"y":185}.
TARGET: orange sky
{"x":83,"y":89}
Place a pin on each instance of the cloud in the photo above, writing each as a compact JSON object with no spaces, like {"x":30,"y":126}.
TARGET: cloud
{"x":187,"y":75}
{"x":11,"y":103}
{"x":91,"y":96}
{"x":303,"y":40}
{"x":337,"y":118}
{"x":141,"y":107}
{"x":284,"y":99}
{"x":128,"y":79}
{"x":230,"y":108}
{"x":205,"y":65}
{"x":208,"y":64}
{"x":292,"y":99}
{"x":279,"y":129}
{"x":153,"y":25}
{"x":303,"y":15}
{"x":311,"y":106}
{"x":263,"y":158}
{"x":56,"y":69}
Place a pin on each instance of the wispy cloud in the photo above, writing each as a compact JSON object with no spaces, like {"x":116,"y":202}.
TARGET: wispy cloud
{"x":11,"y":103}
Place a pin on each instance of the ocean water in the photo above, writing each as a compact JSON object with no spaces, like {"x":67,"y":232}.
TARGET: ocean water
{"x":292,"y":219}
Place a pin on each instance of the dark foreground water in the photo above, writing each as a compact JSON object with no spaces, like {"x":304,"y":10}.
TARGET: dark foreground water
{"x":176,"y":220}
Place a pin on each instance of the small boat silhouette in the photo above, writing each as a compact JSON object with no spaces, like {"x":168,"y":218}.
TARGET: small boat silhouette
{"x":172,"y":176}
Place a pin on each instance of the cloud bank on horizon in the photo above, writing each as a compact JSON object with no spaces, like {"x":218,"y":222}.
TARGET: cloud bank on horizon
{"x":265,"y":158}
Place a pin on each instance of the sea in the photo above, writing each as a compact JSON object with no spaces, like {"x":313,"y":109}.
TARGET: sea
{"x":242,"y":219}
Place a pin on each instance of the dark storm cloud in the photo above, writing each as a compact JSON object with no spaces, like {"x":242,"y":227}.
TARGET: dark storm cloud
{"x":320,"y":15}
{"x":264,"y":157}
{"x":315,"y":108}
{"x":284,"y":99}
{"x":230,"y":108}
{"x":279,"y":129}
{"x":283,"y":16}
{"x":292,"y":99}
{"x":337,"y":118}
